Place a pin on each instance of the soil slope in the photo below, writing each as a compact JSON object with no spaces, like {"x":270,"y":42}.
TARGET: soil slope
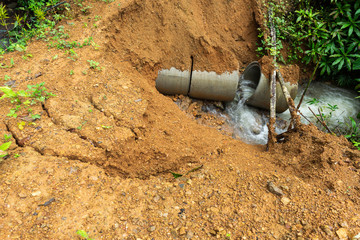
{"x":101,"y":155}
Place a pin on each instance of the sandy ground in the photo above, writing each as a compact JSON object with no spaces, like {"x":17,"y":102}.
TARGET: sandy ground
{"x":100,"y":157}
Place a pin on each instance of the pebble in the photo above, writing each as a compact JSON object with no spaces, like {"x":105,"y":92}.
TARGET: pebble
{"x":342,"y":234}
{"x":151,"y":228}
{"x":189,"y":235}
{"x":285,"y":201}
{"x":326,"y":229}
{"x":182,"y":231}
{"x":37,"y":193}
{"x":22,"y":195}
{"x":94,"y":178}
{"x":274,"y":189}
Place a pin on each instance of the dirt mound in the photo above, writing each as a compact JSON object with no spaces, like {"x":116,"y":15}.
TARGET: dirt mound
{"x":311,"y":152}
{"x":219,"y":35}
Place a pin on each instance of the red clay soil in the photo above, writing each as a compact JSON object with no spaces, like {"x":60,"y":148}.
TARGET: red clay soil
{"x":100,"y":157}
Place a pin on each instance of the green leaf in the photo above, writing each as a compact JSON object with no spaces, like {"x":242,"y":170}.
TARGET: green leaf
{"x":176,"y":175}
{"x":82,"y":233}
{"x":341,"y":64}
{"x":336,"y":61}
{"x":356,"y":64}
{"x":357,"y":12}
{"x":5,"y":146}
{"x":8,"y":92}
{"x":351,"y":29}
{"x":35,"y":116}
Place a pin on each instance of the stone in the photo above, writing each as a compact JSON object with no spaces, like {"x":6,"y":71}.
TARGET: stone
{"x":342,"y":233}
{"x":152,"y":228}
{"x":94,"y":178}
{"x":37,"y":193}
{"x":326,"y":229}
{"x":189,"y":235}
{"x":22,"y":195}
{"x":182,"y":231}
{"x":274,"y":189}
{"x":285,"y":201}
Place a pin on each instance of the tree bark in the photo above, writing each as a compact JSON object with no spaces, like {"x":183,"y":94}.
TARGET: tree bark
{"x":295,"y":118}
{"x":272,"y":120}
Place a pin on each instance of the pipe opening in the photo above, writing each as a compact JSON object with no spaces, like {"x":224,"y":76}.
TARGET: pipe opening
{"x":252,"y":73}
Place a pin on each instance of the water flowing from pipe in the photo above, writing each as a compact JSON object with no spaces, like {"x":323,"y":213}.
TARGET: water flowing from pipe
{"x":250,"y":123}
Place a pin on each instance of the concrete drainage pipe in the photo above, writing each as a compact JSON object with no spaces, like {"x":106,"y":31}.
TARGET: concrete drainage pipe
{"x":261,"y":96}
{"x":201,"y":85}
{"x":223,"y":87}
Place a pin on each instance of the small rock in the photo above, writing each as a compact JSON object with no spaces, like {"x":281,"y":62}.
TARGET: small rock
{"x":182,"y":231}
{"x":357,"y":165}
{"x":151,"y":228}
{"x":342,"y":234}
{"x":22,"y":195}
{"x":37,"y":193}
{"x":156,"y":198}
{"x":274,"y":189}
{"x":189,"y":235}
{"x":356,"y":237}
{"x":285,"y":201}
{"x":344,"y":225}
{"x":94,"y":178}
{"x":326,"y":229}
{"x":213,"y":232}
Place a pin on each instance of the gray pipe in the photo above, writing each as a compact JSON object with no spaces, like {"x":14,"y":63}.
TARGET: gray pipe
{"x":261,"y":96}
{"x":203,"y":85}
{"x":212,"y":86}
{"x":173,"y":81}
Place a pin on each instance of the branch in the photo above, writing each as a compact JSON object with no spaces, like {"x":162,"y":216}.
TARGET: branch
{"x":294,"y":117}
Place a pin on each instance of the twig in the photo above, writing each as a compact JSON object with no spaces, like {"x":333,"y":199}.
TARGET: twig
{"x":305,"y":117}
{"x":322,"y":123}
{"x":310,"y":80}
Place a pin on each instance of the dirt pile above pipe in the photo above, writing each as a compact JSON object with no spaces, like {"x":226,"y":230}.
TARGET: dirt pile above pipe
{"x":220,"y":35}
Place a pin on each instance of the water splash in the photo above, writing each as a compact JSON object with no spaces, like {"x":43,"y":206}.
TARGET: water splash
{"x":250,"y":124}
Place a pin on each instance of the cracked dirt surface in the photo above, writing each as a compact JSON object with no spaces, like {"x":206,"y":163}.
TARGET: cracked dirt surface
{"x":101,"y":155}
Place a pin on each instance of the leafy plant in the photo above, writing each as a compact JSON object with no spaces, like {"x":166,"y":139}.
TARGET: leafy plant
{"x":354,"y":133}
{"x":83,"y":234}
{"x":94,"y":65}
{"x":30,"y":96}
{"x":7,"y":137}
{"x":3,"y":148}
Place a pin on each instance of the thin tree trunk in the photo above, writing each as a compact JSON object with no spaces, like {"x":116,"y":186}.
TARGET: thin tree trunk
{"x":294,"y":116}
{"x":272,"y":120}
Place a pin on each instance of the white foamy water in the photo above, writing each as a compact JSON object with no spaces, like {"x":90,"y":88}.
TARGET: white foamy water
{"x":250,"y":123}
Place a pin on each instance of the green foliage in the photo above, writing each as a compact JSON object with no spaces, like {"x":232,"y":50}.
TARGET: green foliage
{"x":25,"y":98}
{"x":354,"y":133}
{"x":7,"y":137}
{"x":328,"y":31}
{"x":94,"y":65}
{"x":37,"y":18}
{"x":3,"y":149}
{"x":83,"y":234}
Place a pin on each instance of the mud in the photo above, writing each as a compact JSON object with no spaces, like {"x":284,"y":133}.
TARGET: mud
{"x":106,"y":144}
